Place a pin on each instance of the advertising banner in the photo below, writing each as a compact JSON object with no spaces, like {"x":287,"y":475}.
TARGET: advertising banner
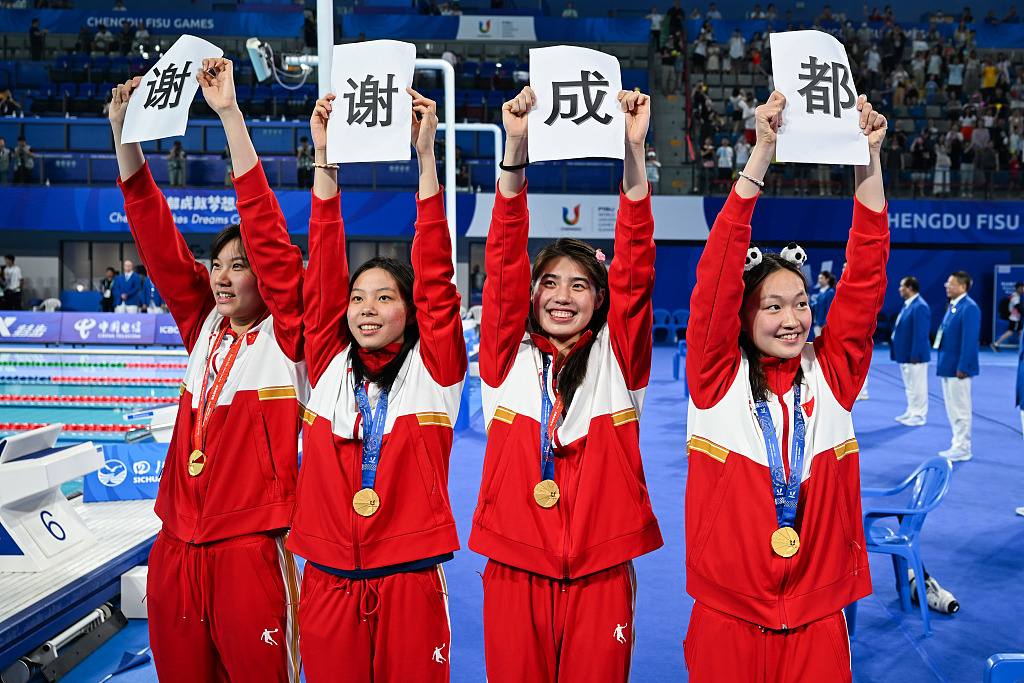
{"x":166,"y":330}
{"x":107,"y":328}
{"x":504,"y":28}
{"x":131,"y":472}
{"x":30,"y":326}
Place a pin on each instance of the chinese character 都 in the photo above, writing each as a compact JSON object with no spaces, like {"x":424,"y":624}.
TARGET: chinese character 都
{"x":817,"y":93}
{"x":371,"y":98}
{"x":174,"y":203}
{"x":166,"y":84}
{"x":591,"y":102}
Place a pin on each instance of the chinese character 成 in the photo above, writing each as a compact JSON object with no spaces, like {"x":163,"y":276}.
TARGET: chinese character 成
{"x":591,"y":102}
{"x":817,"y":93}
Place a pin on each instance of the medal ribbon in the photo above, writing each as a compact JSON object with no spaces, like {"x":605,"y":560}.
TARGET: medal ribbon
{"x":549,"y":415}
{"x":786,"y":494}
{"x":373,"y":432}
{"x":210,"y":393}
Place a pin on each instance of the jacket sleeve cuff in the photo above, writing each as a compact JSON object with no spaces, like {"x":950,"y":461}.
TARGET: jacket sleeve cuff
{"x":139,"y":184}
{"x":252,"y":183}
{"x":510,"y":206}
{"x":738,"y":209}
{"x":430,"y":209}
{"x":870,"y":222}
{"x":635,"y":212}
{"x":325,"y":210}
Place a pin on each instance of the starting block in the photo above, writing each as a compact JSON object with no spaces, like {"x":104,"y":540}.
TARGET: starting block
{"x":38,"y":526}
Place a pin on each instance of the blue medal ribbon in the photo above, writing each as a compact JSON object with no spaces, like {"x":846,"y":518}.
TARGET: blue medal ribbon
{"x":373,"y":432}
{"x":547,"y":460}
{"x":786,"y":494}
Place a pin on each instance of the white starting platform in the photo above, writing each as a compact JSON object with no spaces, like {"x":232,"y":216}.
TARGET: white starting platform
{"x":59,"y":559}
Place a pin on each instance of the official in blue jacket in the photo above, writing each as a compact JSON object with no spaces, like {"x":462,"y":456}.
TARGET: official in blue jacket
{"x":1020,"y":397}
{"x":152,"y":302}
{"x":911,"y":349}
{"x":957,"y":344}
{"x":128,"y":290}
{"x":823,"y":300}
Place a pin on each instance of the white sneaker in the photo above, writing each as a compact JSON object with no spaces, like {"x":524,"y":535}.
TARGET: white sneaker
{"x":862,"y":396}
{"x":956,"y":456}
{"x":913,"y":421}
{"x":1020,"y":511}
{"x":901,"y":418}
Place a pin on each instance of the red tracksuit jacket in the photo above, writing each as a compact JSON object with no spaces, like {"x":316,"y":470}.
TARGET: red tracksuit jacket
{"x":604,"y":515}
{"x":248,"y":484}
{"x":414,"y":521}
{"x":730,"y":509}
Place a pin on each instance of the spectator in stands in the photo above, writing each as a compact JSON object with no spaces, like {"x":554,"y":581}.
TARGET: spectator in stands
{"x":570,"y":11}
{"x":8,"y":105}
{"x":707,"y":165}
{"x":141,"y":41}
{"x":875,"y":15}
{"x":823,"y":299}
{"x":826,"y":14}
{"x":874,"y":62}
{"x":24,"y":162}
{"x":943,"y":163}
{"x":737,"y":49}
{"x":756,"y":14}
{"x":1011,"y":16}
{"x":991,"y":19}
{"x":713,"y":12}
{"x":749,"y":108}
{"x":176,"y":165}
{"x":5,"y":162}
{"x":37,"y":40}
{"x":676,"y":15}
{"x":1014,"y":166}
{"x":118,"y":7}
{"x":655,"y":17}
{"x":988,"y":162}
{"x":957,"y":343}
{"x":226,"y":156}
{"x":922,"y":162}
{"x":668,"y":56}
{"x":84,"y":44}
{"x":741,"y":152}
{"x":103,"y":40}
{"x":125,"y":37}
{"x":695,"y":13}
{"x":304,"y":163}
{"x":106,"y":288}
{"x":714,"y":61}
{"x":12,"y":284}
{"x":654,"y":171}
{"x":726,"y":160}
{"x":698,"y":60}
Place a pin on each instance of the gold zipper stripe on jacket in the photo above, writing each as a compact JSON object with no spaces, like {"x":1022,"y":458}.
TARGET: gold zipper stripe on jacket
{"x":181,"y":391}
{"x":503,"y":414}
{"x":309,"y":416}
{"x":708,"y":448}
{"x":272,"y":393}
{"x":844,"y":449}
{"x":623,"y":416}
{"x":429,"y":418}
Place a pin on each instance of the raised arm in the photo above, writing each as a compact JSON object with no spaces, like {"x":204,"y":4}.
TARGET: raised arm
{"x":712,"y":333}
{"x":631,"y":275}
{"x":442,"y":346}
{"x":844,"y":347}
{"x":161,"y":247}
{"x":325,"y":289}
{"x":275,"y":261}
{"x":506,"y":298}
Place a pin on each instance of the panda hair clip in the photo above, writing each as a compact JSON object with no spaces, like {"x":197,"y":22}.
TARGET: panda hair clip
{"x":754,"y":258}
{"x":795,"y":254}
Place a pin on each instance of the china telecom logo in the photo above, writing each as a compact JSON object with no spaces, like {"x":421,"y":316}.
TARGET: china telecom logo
{"x":485,"y":26}
{"x":575,"y":216}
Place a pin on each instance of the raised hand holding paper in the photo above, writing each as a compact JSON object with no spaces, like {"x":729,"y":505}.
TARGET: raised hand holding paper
{"x":160,"y":107}
{"x":372,"y":111}
{"x":577,"y":115}
{"x":821,"y":121}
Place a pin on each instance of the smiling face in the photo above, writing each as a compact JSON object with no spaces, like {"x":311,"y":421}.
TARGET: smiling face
{"x":564,"y":300}
{"x":776,"y":315}
{"x":234,"y":286}
{"x":377,"y":313}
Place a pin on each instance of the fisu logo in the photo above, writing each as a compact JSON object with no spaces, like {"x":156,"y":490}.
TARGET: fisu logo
{"x":485,"y":26}
{"x":575,"y":216}
{"x":83,"y":326}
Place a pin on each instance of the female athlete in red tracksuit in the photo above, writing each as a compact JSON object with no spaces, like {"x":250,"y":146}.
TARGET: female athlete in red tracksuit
{"x":562,"y":525}
{"x":221,"y":585}
{"x":770,"y":580}
{"x":387,"y":361}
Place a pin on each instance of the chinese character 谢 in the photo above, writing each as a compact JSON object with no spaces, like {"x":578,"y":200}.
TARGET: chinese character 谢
{"x":166,"y":84}
{"x":371,"y":98}
{"x":817,"y":93}
{"x":590,"y":102}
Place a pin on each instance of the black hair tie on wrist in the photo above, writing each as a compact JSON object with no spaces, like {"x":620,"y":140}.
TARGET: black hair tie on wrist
{"x":514,"y":167}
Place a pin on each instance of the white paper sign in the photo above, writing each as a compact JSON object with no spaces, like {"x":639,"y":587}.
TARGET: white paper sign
{"x":821,"y":124}
{"x":159,"y":106}
{"x":372,"y":116}
{"x":577,"y":114}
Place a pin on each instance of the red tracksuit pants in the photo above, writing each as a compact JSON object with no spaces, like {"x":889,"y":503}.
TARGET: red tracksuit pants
{"x":392,"y":629}
{"x":542,"y":630}
{"x":723,"y":649}
{"x":223,"y":611}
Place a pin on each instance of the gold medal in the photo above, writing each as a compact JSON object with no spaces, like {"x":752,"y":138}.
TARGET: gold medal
{"x":785,"y":541}
{"x":366,"y":502}
{"x":546,"y":493}
{"x":196,"y":463}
